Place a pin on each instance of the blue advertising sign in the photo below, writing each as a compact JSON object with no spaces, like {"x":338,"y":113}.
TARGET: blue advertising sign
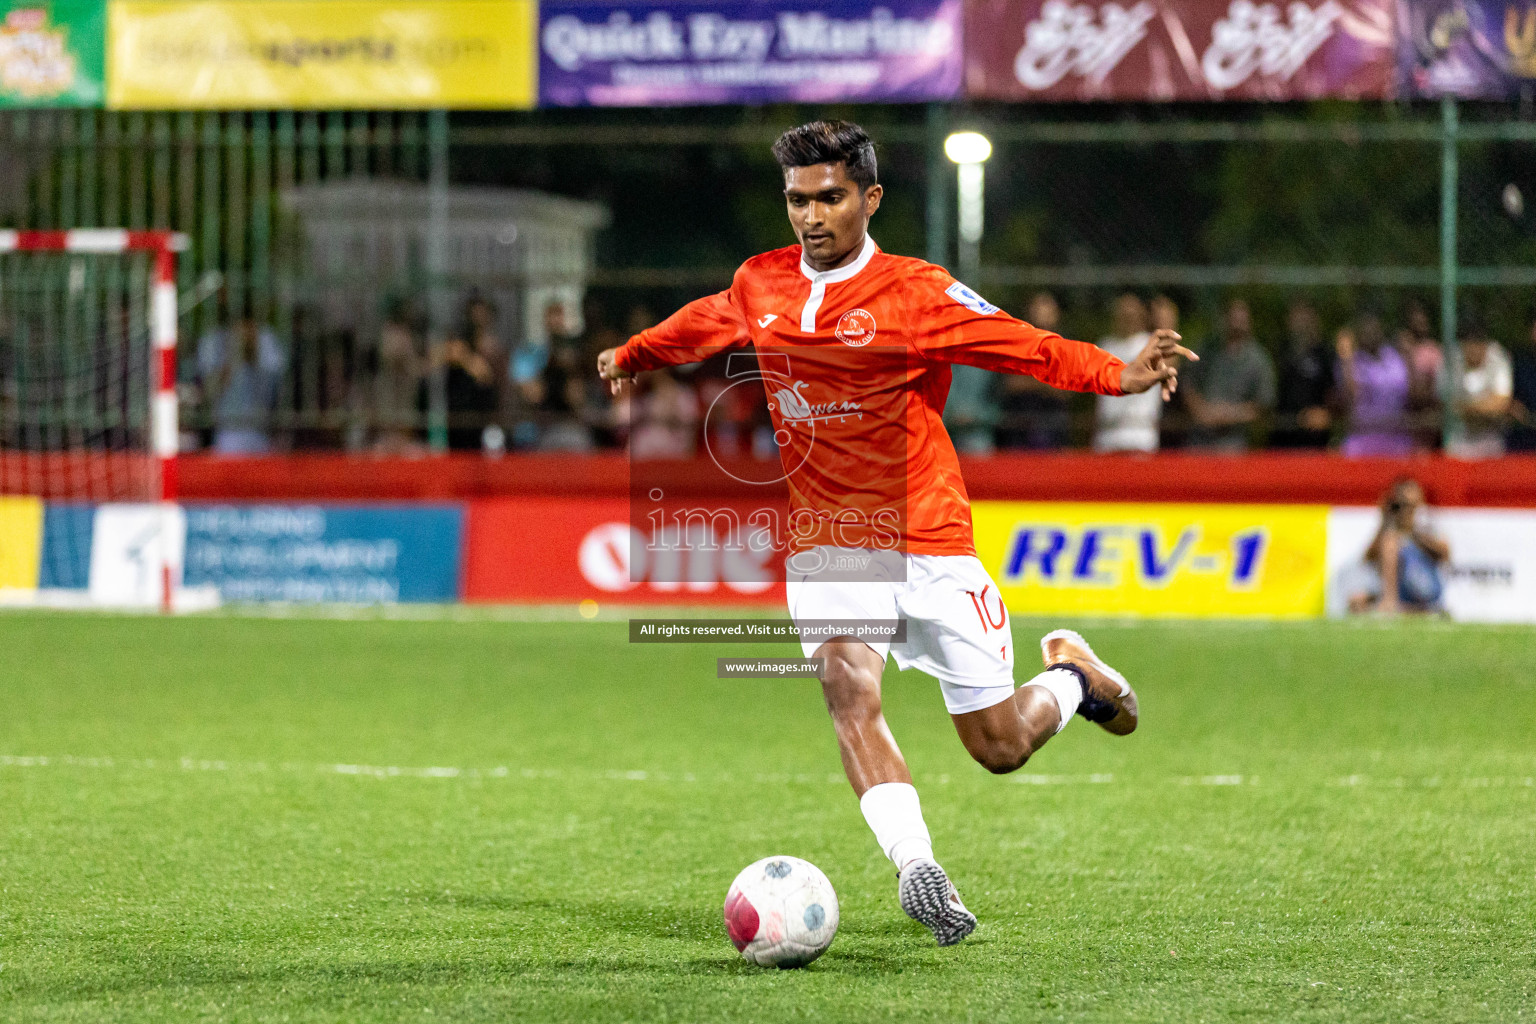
{"x":1475,"y":49}
{"x":740,"y":51}
{"x":357,"y":554}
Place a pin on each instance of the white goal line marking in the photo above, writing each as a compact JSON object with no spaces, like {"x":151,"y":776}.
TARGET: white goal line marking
{"x":190,"y":764}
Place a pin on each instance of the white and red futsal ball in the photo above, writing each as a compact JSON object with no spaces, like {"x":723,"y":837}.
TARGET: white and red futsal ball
{"x":781,"y":912}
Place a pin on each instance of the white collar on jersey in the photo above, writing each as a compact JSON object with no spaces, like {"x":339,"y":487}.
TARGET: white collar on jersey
{"x":842,"y":273}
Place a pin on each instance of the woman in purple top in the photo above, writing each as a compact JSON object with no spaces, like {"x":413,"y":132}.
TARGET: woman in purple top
{"x":1374,"y":381}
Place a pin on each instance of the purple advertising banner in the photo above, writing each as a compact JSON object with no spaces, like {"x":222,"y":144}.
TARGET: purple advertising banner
{"x":1468,"y":48}
{"x":1161,"y":50}
{"x":718,"y":51}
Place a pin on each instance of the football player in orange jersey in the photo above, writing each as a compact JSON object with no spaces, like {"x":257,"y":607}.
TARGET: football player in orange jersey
{"x":860,"y":434}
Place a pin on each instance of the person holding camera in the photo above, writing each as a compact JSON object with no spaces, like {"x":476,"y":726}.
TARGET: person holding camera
{"x":1403,"y":563}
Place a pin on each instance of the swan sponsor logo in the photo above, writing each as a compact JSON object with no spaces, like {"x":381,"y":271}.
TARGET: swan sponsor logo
{"x":793,"y":407}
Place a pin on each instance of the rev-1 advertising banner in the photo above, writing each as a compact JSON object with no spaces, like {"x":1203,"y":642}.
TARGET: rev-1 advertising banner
{"x":1155,"y":560}
{"x":1476,"y":49}
{"x":718,"y":51}
{"x":1160,"y":50}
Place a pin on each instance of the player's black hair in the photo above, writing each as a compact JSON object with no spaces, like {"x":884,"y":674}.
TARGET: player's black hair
{"x":830,"y":142}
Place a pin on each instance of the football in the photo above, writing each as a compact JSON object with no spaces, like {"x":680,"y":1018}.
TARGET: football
{"x":781,"y":912}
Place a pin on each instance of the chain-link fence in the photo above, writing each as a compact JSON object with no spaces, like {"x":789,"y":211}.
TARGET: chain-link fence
{"x":358,"y":240}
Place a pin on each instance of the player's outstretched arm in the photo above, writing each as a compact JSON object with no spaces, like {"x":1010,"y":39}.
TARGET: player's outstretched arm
{"x":1157,"y":364}
{"x":692,"y":334}
{"x":962,"y":327}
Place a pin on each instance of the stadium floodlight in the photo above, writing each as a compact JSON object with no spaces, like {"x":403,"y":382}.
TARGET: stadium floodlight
{"x":968,"y":148}
{"x":969,"y":151}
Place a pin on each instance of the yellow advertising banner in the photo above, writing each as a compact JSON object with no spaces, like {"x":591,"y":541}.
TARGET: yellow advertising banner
{"x":321,"y":53}
{"x":1165,"y":560}
{"x":21,"y":542}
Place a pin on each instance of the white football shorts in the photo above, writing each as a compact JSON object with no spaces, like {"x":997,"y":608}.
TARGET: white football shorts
{"x":958,"y":630}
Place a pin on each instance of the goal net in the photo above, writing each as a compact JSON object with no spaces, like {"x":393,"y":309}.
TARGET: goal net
{"x":88,"y":422}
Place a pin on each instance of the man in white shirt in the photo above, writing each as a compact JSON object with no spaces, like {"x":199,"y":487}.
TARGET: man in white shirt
{"x":1127,"y":423}
{"x":1482,"y":396}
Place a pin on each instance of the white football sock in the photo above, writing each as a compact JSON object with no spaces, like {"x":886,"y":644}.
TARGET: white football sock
{"x":1065,"y":687}
{"x":896,"y":817}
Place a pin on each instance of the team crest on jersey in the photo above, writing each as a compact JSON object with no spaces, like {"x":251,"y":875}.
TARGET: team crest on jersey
{"x":969,"y":299}
{"x":856,"y":328}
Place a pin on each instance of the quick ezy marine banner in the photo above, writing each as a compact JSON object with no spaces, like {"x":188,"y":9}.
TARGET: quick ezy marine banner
{"x":718,"y":51}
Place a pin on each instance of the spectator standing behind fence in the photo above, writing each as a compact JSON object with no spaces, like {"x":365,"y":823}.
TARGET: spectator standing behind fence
{"x":397,"y":382}
{"x":475,"y":362}
{"x":1127,"y":423}
{"x":666,"y":419}
{"x":560,"y":391}
{"x":605,"y":417}
{"x":1032,"y":414}
{"x":1373,"y":390}
{"x":1306,"y":383}
{"x":1165,"y":313}
{"x":240,"y":368}
{"x":1426,"y":372}
{"x":1401,"y":569}
{"x":1522,"y":436}
{"x":1418,"y":344}
{"x":1480,"y":395}
{"x":1232,"y":387}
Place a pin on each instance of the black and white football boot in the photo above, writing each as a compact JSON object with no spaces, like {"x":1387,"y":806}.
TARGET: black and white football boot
{"x":928,"y":896}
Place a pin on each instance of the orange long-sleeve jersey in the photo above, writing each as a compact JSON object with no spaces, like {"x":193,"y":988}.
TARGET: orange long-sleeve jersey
{"x":855,"y":362}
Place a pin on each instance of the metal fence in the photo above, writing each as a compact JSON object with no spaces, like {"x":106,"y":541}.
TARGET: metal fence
{"x":1343,"y":205}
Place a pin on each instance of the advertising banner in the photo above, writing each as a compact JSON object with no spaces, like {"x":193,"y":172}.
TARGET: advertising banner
{"x":359,"y":554}
{"x":570,"y":549}
{"x":748,"y":51}
{"x":1159,"y":50}
{"x":1491,"y":576}
{"x":132,"y":546}
{"x":321,"y":53}
{"x":53,"y":54}
{"x":1477,"y":49}
{"x":21,"y":542}
{"x":1164,"y":560}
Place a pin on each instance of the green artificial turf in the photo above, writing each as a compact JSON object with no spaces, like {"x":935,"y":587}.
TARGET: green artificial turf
{"x":241,"y":819}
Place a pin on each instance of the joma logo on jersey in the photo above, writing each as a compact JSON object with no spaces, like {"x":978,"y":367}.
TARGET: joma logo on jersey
{"x":856,"y":328}
{"x":793,"y":407}
{"x":1105,"y":556}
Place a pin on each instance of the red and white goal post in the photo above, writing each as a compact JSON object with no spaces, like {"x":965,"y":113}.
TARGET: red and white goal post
{"x":88,"y":409}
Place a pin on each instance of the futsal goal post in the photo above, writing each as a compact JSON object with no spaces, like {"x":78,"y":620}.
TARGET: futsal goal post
{"x":88,"y":417}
